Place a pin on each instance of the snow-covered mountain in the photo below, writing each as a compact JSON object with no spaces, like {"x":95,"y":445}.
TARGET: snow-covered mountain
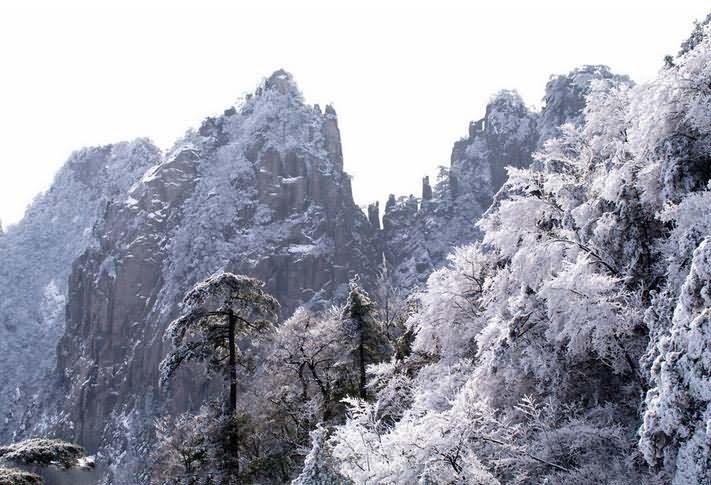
{"x":259,"y":190}
{"x":37,"y":256}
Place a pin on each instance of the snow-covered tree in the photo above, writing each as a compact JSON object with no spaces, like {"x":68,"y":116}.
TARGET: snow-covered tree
{"x":675,"y":433}
{"x":366,"y":341}
{"x":305,"y":349}
{"x":182,"y":448}
{"x":319,"y":465}
{"x":216,"y":314}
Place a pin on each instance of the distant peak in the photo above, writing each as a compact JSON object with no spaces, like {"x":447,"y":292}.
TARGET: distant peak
{"x":510,"y":99}
{"x":582,"y":76}
{"x":281,"y":81}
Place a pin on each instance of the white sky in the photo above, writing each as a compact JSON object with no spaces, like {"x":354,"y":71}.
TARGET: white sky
{"x":405,"y":80}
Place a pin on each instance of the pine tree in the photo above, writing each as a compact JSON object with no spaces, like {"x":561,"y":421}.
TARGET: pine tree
{"x":216,"y":314}
{"x":367,"y":341}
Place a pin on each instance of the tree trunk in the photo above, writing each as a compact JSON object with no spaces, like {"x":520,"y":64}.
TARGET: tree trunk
{"x":234,"y":444}
{"x":362,"y":365}
{"x":387,"y":313}
{"x":233,"y":363}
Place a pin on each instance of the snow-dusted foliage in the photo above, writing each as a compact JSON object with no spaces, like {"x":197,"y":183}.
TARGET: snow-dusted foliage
{"x":570,"y":345}
{"x":676,"y":423}
{"x":674,"y":435}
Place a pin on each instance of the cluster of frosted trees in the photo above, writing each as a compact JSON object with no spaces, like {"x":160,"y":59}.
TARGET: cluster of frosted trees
{"x":281,"y":386}
{"x":572,"y":343}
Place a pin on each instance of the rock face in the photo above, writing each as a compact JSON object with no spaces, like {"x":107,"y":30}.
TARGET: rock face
{"x":419,"y":234}
{"x":259,"y":190}
{"x":37,"y":256}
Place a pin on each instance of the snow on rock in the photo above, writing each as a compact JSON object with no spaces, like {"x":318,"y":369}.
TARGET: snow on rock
{"x":37,"y":255}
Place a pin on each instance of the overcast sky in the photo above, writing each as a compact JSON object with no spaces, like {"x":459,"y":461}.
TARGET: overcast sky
{"x":405,"y":80}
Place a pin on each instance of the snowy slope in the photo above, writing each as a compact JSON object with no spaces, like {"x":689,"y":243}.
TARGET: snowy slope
{"x":37,"y":255}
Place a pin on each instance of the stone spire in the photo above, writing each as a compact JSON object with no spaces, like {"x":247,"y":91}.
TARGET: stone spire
{"x":281,"y":81}
{"x":374,"y":215}
{"x":426,"y":189}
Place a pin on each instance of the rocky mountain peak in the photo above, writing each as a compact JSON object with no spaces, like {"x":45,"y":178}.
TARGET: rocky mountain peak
{"x":565,"y":95}
{"x":259,"y":190}
{"x":280,"y":81}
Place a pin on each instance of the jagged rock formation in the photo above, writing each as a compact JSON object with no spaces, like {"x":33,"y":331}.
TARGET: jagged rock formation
{"x":419,"y":234}
{"x":259,"y":190}
{"x":37,"y":255}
